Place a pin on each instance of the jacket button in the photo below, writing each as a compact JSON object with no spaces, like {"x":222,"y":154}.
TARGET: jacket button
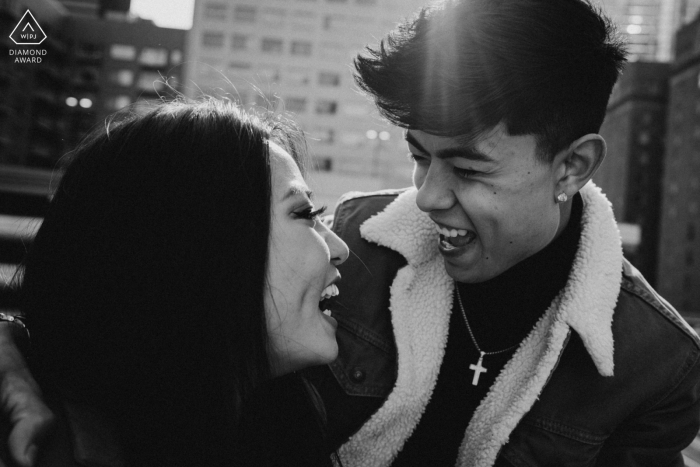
{"x":358,"y":375}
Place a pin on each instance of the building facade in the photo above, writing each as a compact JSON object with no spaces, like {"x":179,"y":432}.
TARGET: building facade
{"x":634,"y":130}
{"x":296,"y":56}
{"x":679,"y":243}
{"x":96,"y":61}
{"x":649,"y":26}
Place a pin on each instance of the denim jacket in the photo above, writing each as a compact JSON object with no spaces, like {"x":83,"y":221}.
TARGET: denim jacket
{"x":610,"y":376}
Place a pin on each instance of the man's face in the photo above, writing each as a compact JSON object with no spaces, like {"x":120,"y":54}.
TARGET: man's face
{"x":492,"y":200}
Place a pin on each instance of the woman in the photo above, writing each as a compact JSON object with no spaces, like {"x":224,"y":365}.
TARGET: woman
{"x":178,"y":271}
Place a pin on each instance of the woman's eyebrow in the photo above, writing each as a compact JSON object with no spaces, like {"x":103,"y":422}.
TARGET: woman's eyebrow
{"x":296,"y":190}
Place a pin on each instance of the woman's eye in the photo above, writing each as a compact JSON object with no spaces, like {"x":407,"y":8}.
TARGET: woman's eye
{"x":310,"y":213}
{"x":418,"y":159}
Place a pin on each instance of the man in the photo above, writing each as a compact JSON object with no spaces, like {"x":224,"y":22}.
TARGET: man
{"x":487,"y":316}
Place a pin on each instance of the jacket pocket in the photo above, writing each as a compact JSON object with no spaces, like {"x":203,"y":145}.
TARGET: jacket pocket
{"x":541,"y":442}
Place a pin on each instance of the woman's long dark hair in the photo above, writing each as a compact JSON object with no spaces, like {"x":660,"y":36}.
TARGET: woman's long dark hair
{"x":144,"y":285}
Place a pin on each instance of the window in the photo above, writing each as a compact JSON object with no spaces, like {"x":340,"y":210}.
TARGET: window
{"x":118,"y":102}
{"x":122,"y":77}
{"x":269,"y":73}
{"x":150,"y":81}
{"x":323,"y":164}
{"x":176,"y":57}
{"x":327,"y":78}
{"x":301,"y":48}
{"x":213,"y":39}
{"x":215,"y":11}
{"x":273,"y":16}
{"x":122,"y":52}
{"x":297,"y":76}
{"x":324,"y":135}
{"x":245,"y":13}
{"x":326,"y":107}
{"x":240,"y":65}
{"x":272,"y":46}
{"x":151,"y":56}
{"x":239,"y":41}
{"x":295,"y":104}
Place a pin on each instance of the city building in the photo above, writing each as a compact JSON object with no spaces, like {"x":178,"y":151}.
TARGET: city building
{"x":678,"y":277}
{"x":649,"y":26}
{"x":31,"y":94}
{"x":634,"y":129}
{"x":97,"y":59}
{"x":117,"y":61}
{"x":297,"y":56}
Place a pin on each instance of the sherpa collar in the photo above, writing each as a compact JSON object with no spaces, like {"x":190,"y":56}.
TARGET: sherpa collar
{"x":421,"y":303}
{"x":593,"y":285}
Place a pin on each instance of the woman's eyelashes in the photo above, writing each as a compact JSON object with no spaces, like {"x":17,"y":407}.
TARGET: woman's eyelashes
{"x":310,"y":213}
{"x":418,"y":159}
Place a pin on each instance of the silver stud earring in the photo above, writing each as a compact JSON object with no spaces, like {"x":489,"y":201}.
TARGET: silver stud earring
{"x":562,"y":198}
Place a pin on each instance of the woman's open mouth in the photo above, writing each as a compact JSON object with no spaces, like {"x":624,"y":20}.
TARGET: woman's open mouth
{"x":327,"y":293}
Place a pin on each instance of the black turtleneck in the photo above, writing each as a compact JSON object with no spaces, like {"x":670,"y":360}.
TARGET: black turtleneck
{"x":501,"y":313}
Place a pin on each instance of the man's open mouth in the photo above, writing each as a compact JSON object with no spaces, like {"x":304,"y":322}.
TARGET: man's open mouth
{"x":455,"y":238}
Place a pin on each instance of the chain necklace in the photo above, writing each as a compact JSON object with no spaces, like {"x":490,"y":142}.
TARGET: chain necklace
{"x":478,"y":368}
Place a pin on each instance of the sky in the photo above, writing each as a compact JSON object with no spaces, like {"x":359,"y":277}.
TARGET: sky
{"x":165,"y":13}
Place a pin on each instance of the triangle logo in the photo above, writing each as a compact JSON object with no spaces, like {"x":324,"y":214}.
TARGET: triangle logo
{"x":28,"y":31}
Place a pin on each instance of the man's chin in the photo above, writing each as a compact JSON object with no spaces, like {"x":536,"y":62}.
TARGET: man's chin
{"x":467,"y":273}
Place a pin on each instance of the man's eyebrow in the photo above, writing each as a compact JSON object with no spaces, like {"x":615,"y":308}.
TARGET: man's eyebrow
{"x":297,"y":190}
{"x":465,"y":152}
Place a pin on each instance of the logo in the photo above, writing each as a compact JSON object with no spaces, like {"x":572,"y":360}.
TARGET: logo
{"x":28,"y":31}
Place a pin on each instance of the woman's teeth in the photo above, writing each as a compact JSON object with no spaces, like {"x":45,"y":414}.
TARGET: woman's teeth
{"x":326,"y":312}
{"x":330,"y":291}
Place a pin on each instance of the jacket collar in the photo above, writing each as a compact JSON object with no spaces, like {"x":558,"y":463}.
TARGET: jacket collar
{"x":587,"y":301}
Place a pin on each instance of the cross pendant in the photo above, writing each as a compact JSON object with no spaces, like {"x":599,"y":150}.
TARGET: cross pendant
{"x":478,"y":369}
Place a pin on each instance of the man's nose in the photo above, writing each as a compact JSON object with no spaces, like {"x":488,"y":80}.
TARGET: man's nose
{"x":435,"y":191}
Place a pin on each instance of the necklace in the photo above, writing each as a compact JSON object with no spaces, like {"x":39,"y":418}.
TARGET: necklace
{"x":478,"y":368}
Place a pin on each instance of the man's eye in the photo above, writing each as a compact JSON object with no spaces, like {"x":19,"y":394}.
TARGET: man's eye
{"x":465,"y":173}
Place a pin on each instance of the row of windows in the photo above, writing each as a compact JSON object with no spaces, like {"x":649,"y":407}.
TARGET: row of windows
{"x":148,"y":56}
{"x":267,"y":44}
{"x":250,"y":13}
{"x":299,"y":18}
{"x":292,"y":76}
{"x":296,"y":105}
{"x":145,"y":81}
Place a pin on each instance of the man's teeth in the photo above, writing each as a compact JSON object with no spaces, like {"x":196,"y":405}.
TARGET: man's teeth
{"x":330,"y":291}
{"x":451,"y":232}
{"x":327,"y":312}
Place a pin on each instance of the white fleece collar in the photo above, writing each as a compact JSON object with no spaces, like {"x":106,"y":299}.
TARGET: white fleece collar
{"x":421,"y":304}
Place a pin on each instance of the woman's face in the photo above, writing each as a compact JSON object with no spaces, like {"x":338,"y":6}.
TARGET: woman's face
{"x":303,"y":257}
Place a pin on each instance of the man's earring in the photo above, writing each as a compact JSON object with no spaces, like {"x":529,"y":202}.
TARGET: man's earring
{"x":562,"y":198}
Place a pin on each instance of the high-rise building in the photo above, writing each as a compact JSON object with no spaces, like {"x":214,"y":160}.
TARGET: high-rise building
{"x":115,"y":62}
{"x":96,"y":61}
{"x":678,"y":276}
{"x":297,"y":55}
{"x":649,"y":26}
{"x":634,"y":129}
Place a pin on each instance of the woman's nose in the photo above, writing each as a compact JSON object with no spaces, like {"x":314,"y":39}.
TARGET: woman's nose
{"x":338,"y":248}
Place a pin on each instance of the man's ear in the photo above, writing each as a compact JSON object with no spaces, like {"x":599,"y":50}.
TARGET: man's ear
{"x":579,"y":162}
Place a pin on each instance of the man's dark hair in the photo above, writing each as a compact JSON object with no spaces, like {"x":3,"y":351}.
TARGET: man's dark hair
{"x":542,"y":67}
